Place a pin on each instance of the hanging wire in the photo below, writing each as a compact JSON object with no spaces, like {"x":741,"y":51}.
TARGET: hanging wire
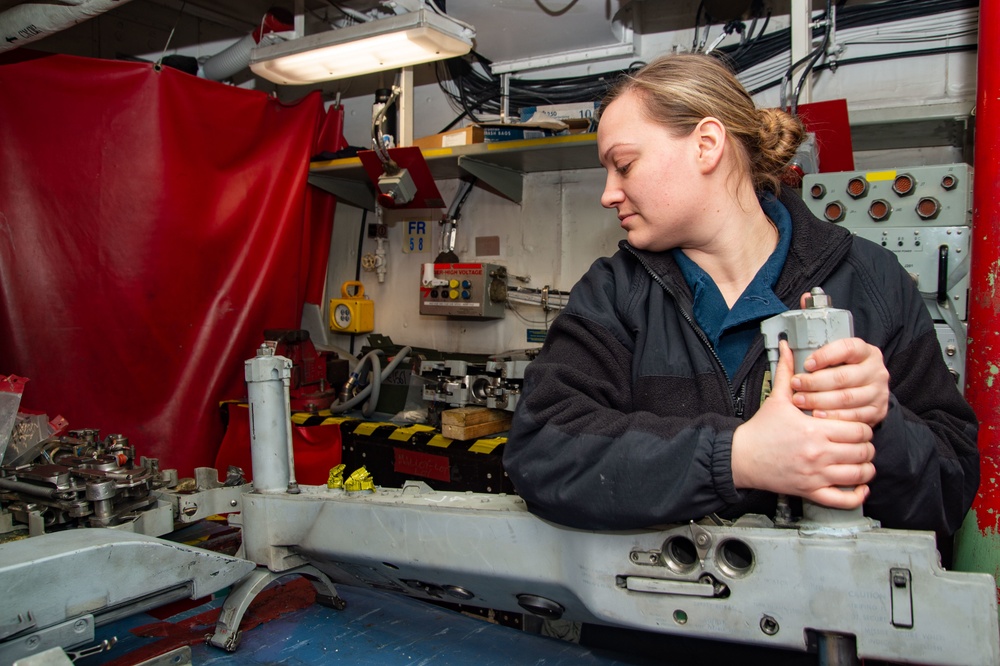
{"x":166,"y":46}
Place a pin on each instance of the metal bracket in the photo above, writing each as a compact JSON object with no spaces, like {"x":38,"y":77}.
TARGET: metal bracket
{"x":507,"y":182}
{"x":227,"y":632}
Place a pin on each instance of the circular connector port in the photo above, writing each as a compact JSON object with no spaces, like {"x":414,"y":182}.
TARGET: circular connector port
{"x":735,"y":557}
{"x":903,"y":184}
{"x":680,"y":554}
{"x":857,"y":187}
{"x":879,"y":210}
{"x":928,"y":208}
{"x":834,"y":211}
{"x":949,"y":182}
{"x":817,"y":190}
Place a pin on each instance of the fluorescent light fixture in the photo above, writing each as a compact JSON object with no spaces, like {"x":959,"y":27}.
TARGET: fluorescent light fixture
{"x":389,"y":43}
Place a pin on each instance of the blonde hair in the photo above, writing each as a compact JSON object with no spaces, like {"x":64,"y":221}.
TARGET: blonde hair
{"x":681,"y":90}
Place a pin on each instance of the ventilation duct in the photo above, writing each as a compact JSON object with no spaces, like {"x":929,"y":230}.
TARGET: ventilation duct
{"x":30,"y":22}
{"x":236,"y":58}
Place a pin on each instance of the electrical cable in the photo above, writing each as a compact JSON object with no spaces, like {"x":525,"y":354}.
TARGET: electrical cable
{"x":357,"y":266}
{"x":881,"y":57}
{"x":475,"y":92}
{"x":819,"y":52}
{"x":369,"y":393}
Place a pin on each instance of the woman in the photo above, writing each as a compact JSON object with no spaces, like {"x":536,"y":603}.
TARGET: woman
{"x":645,"y":406}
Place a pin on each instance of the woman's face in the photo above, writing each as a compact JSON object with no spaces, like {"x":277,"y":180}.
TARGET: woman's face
{"x":653,"y":177}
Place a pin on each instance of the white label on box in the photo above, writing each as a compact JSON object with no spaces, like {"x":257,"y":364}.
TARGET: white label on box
{"x":457,"y":139}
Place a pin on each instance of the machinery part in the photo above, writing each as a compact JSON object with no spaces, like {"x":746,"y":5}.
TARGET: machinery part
{"x":805,"y":331}
{"x":11,"y":389}
{"x":71,"y":581}
{"x":211,"y":496}
{"x":227,"y":633}
{"x":268,"y":378}
{"x":746,"y":582}
{"x":315,"y":374}
{"x":495,"y":384}
{"x":83,"y":481}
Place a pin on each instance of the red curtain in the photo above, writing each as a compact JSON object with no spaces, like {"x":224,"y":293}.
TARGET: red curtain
{"x":152,"y":225}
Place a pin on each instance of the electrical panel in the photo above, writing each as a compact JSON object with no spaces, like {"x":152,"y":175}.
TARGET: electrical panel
{"x":468,"y":291}
{"x":922,"y":214}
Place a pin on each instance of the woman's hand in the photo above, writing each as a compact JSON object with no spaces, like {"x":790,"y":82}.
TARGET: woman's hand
{"x":784,"y":450}
{"x":845,"y":380}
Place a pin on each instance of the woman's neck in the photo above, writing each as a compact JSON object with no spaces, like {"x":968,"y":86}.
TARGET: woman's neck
{"x":746,"y":238}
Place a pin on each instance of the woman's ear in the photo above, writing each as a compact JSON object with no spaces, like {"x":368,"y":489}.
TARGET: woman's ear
{"x":710,"y":135}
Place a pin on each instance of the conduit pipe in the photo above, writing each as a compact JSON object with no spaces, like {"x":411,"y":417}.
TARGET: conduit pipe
{"x":236,"y":58}
{"x":30,"y":22}
{"x":978,"y":545}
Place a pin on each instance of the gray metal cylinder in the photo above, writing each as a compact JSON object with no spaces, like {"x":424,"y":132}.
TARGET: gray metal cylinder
{"x":806,"y":331}
{"x":268,"y":378}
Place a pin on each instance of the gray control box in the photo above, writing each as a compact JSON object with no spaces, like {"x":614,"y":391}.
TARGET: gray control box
{"x":468,"y":291}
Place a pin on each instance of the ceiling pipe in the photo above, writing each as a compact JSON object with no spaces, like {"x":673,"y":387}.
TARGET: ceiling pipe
{"x":236,"y":58}
{"x":30,"y":22}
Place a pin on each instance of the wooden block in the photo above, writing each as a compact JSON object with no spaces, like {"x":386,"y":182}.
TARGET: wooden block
{"x":469,"y":416}
{"x":465,"y":423}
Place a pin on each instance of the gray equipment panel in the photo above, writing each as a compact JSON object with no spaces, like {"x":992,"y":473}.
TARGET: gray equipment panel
{"x":747,"y":582}
{"x":58,"y":586}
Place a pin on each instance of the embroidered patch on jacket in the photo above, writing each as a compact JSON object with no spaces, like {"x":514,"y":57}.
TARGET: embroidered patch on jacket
{"x":765,"y":387}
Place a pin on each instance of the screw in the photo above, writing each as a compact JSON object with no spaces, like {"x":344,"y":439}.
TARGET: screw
{"x":769,"y":625}
{"x":233,"y":502}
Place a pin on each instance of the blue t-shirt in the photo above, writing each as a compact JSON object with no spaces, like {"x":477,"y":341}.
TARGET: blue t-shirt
{"x":731,"y":331}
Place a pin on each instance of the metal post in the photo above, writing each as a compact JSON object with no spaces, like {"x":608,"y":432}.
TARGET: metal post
{"x":978,"y":543}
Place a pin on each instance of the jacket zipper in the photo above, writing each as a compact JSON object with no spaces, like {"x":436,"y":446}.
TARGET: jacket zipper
{"x":738,"y":401}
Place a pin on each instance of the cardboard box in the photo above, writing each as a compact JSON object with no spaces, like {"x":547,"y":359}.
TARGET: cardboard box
{"x":493,"y":132}
{"x":452,"y":138}
{"x":585,"y":110}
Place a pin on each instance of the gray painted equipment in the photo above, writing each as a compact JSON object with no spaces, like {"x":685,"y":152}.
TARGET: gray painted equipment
{"x":58,"y":587}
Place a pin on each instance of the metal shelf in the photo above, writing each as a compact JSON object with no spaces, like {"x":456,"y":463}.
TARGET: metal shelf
{"x":500,"y":165}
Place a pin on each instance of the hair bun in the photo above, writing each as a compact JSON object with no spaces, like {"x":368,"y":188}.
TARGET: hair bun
{"x":780,"y":136}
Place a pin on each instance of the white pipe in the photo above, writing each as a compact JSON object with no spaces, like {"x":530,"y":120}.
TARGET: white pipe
{"x":28,"y":23}
{"x":236,"y":57}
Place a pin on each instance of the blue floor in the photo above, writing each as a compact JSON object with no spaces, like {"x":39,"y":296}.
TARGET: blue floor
{"x":375,"y":628}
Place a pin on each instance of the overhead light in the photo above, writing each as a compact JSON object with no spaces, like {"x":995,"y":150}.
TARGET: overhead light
{"x":389,"y":43}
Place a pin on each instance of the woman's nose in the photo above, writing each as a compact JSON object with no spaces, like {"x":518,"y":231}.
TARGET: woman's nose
{"x":612,"y":194}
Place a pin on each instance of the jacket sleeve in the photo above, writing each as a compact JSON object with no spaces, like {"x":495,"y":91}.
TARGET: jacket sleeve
{"x":926,"y":457}
{"x":580,"y":456}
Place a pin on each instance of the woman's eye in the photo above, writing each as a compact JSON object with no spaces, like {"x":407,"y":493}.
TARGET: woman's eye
{"x":623,"y":168}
